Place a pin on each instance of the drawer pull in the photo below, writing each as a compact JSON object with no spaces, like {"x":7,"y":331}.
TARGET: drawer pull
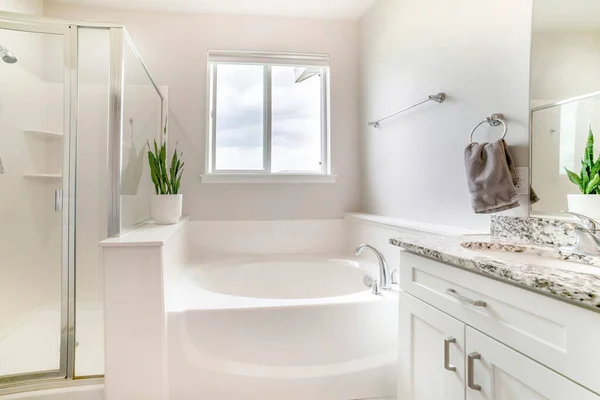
{"x":447,"y":364}
{"x":476,"y":303}
{"x":471,"y":371}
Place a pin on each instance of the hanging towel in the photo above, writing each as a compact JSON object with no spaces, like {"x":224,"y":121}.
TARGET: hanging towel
{"x":491,"y":177}
{"x":533,"y":197}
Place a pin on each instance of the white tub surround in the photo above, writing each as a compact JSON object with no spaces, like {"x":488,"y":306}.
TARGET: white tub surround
{"x":218,"y":238}
{"x":266,"y":310}
{"x":136,"y":267}
{"x":377,"y":230}
{"x":407,"y":224}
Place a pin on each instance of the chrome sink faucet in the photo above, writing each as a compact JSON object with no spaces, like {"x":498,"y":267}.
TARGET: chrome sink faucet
{"x":385,"y":277}
{"x":586,"y":231}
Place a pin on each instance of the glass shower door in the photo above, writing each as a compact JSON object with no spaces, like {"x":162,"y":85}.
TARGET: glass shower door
{"x":35,"y":322}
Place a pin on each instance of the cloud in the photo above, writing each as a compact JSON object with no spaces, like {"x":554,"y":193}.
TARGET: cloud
{"x":296,"y":119}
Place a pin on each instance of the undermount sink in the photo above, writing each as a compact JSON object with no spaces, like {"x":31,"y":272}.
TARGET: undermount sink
{"x":540,"y":256}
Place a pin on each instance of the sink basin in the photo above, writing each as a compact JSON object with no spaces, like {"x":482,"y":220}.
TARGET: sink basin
{"x":540,"y":256}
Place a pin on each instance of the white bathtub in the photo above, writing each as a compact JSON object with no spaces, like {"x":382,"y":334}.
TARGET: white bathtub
{"x":280,"y":328}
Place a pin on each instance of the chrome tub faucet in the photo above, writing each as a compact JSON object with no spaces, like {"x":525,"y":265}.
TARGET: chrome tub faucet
{"x":386,"y":278}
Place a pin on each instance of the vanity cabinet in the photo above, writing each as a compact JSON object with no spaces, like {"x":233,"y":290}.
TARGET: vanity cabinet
{"x":516,"y":344}
{"x":432,"y":352}
{"x":442,"y":358}
{"x":497,"y":372}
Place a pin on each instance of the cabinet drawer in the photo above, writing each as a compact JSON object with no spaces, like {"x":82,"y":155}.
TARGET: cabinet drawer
{"x":556,"y":334}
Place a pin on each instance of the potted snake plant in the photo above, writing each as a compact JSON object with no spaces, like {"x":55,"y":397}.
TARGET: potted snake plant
{"x":588,"y":182}
{"x":166,"y":204}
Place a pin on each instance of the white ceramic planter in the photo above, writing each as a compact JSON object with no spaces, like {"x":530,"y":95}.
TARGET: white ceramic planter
{"x":166,"y":209}
{"x":585,"y":204}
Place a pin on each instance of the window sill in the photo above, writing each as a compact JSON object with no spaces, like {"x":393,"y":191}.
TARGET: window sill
{"x":267,"y":178}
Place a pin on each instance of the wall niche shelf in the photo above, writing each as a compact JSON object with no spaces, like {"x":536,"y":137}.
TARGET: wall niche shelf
{"x":44,"y":134}
{"x":43,"y":176}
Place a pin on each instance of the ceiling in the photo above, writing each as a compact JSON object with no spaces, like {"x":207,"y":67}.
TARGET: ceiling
{"x":333,"y":9}
{"x":559,"y":15}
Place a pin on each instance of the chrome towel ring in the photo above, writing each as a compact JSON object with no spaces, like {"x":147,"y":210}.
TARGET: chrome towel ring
{"x":492,"y":120}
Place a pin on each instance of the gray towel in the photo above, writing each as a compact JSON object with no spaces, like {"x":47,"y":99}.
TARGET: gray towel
{"x":491,"y":177}
{"x":533,"y":197}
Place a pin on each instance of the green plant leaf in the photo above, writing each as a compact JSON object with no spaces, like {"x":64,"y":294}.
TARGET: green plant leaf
{"x":595,"y":168}
{"x":573,"y":177}
{"x":154,"y":174}
{"x":585,"y":178}
{"x":589,"y":150}
{"x":592,"y":185}
{"x":174,"y":162}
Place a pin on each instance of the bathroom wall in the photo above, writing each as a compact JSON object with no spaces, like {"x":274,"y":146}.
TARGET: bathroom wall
{"x":32,"y":7}
{"x":174,"y":46}
{"x":564,"y":64}
{"x":477,"y":51}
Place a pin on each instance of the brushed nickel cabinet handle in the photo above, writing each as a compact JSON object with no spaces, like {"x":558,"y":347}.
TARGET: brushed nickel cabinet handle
{"x":471,"y":371}
{"x":456,"y":295}
{"x":447,"y":364}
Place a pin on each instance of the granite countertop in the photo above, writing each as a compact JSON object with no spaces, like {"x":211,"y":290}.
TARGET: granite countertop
{"x":579,"y":288}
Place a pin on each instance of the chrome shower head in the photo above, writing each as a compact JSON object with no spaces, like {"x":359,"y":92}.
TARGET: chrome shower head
{"x":7,"y":56}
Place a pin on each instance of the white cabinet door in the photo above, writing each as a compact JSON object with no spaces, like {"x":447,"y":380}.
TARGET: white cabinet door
{"x":497,"y":372}
{"x":431,"y":353}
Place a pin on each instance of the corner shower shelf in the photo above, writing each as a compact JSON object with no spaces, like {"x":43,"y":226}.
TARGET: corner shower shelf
{"x":43,"y":176}
{"x":44,"y":134}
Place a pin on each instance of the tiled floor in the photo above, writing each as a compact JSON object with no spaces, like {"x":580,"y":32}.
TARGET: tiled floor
{"x":34,"y":345}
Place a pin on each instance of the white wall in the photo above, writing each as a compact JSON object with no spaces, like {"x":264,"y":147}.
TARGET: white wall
{"x":32,"y":7}
{"x":477,"y":51}
{"x":174,"y":46}
{"x":564,"y":64}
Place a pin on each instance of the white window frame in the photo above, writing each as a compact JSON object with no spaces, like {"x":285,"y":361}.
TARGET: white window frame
{"x":264,"y":175}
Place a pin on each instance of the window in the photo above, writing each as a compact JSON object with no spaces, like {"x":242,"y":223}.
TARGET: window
{"x":268,"y":116}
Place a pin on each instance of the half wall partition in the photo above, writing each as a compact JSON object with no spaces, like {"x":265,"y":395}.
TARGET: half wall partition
{"x":77,"y":107}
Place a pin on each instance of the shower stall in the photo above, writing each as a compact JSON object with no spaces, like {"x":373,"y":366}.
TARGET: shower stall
{"x":77,"y":107}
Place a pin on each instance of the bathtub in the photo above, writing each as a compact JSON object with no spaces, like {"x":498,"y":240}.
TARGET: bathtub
{"x":280,"y":328}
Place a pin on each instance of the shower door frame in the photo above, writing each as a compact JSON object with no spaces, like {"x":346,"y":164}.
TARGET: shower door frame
{"x":67,"y":332}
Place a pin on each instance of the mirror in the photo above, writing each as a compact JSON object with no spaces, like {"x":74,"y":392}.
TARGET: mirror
{"x":565,"y":105}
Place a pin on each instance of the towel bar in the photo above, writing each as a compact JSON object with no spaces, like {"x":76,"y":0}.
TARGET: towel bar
{"x":438,"y":98}
{"x":492,"y":120}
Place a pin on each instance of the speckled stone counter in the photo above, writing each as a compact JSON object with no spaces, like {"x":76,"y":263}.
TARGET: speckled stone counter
{"x":582,"y":289}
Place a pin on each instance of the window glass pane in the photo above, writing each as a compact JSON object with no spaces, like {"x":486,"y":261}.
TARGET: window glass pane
{"x":240,"y":112}
{"x":296,"y":120}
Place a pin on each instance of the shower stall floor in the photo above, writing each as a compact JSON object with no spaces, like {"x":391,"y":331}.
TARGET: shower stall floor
{"x":33,"y":345}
